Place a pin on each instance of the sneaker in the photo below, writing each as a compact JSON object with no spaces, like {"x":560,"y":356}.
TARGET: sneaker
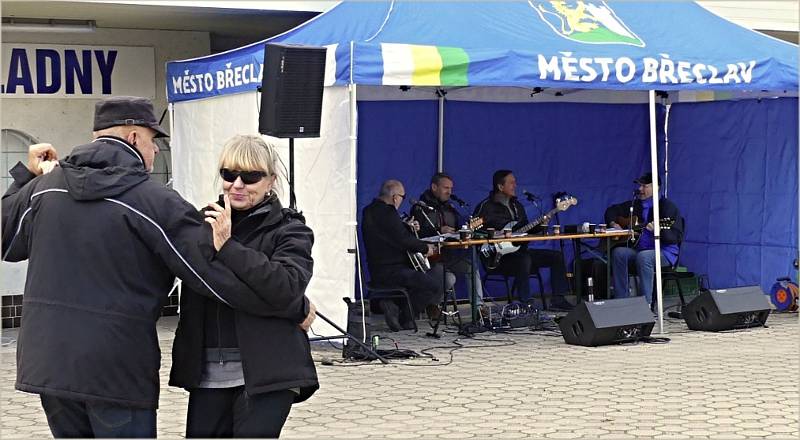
{"x":391,"y":313}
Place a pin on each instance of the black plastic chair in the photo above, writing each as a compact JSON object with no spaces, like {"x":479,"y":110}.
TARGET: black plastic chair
{"x":377,"y":292}
{"x":671,"y":273}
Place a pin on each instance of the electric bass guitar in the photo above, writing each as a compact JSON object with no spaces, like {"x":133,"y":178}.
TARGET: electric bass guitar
{"x":495,"y":251}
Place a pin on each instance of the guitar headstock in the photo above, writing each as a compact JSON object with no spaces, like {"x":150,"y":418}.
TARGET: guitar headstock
{"x":475,"y":222}
{"x":564,"y":202}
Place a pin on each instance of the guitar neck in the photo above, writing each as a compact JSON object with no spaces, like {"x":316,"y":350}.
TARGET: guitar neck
{"x":538,"y":221}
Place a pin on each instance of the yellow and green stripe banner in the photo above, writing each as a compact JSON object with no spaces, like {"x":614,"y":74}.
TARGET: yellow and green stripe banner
{"x":416,"y":65}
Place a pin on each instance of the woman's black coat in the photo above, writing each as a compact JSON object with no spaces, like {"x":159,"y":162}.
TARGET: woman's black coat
{"x":270,"y":251}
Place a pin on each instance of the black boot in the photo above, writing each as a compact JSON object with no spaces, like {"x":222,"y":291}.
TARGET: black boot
{"x":391,"y":313}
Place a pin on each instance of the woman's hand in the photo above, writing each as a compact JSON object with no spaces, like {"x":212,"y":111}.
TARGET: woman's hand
{"x":312,"y":315}
{"x":220,"y":220}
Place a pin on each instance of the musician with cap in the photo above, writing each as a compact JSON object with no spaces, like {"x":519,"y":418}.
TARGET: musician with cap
{"x":105,"y":243}
{"x":641,"y":254}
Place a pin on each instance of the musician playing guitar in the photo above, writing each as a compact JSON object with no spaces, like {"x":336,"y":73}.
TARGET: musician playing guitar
{"x":502,"y":207}
{"x":642,"y":251}
{"x":388,"y":242}
{"x":438,"y":216}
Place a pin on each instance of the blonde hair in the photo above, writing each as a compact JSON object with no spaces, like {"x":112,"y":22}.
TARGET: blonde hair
{"x":245,"y":152}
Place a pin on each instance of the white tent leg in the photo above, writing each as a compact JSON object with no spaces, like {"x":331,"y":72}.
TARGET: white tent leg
{"x":440,"y":163}
{"x":656,"y":214}
{"x":353,"y":201}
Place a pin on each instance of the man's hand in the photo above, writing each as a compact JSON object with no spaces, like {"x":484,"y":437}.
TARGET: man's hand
{"x":615,"y":225}
{"x":39,"y":153}
{"x":220,"y":220}
{"x":447,"y":229}
{"x":312,"y":315}
{"x":413,"y":223}
{"x":649,"y":226}
{"x":48,"y":166}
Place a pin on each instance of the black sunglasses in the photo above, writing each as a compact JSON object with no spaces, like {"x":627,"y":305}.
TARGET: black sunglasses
{"x":248,"y":177}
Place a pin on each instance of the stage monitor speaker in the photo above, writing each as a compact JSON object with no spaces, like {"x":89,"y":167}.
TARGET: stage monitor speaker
{"x":717,"y":310}
{"x":607,"y":322}
{"x":291,"y":91}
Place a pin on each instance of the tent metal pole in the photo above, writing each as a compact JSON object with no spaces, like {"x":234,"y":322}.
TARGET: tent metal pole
{"x":656,"y":213}
{"x":666,"y":148}
{"x":440,"y":163}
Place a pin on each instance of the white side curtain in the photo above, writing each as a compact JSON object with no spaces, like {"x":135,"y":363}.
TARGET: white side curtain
{"x":322,"y":172}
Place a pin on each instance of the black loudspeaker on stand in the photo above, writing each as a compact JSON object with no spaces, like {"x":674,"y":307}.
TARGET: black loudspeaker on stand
{"x":291,"y":107}
{"x":291,"y":96}
{"x":607,"y":322}
{"x":729,"y":309}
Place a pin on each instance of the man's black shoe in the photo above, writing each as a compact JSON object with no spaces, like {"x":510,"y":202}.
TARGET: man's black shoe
{"x":391,"y":313}
{"x":560,"y":303}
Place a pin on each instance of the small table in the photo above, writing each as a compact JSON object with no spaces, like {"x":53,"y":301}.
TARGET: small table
{"x":464,"y":244}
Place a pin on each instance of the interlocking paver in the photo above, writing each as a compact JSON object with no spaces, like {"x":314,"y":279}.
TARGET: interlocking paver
{"x":538,"y":388}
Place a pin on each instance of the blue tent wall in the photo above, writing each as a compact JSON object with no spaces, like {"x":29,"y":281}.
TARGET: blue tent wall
{"x":396,"y":139}
{"x":733,"y":174}
{"x":593,"y":151}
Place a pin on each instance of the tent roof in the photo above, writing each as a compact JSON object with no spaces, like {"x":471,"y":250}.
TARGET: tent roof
{"x":589,"y":45}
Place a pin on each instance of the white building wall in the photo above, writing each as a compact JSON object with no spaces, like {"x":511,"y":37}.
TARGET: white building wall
{"x":67,"y":122}
{"x":761,"y":15}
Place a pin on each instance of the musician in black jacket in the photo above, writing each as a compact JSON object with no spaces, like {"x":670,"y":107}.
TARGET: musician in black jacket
{"x":439,"y":216}
{"x":502,"y":207}
{"x":388,"y":241}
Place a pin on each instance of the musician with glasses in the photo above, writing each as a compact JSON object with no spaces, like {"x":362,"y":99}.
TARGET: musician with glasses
{"x":244,"y":371}
{"x":502,"y":207}
{"x":389,"y":241}
{"x":642,"y":253}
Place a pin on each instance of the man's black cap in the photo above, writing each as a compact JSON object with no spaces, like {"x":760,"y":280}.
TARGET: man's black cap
{"x":647,"y":178}
{"x":126,"y":110}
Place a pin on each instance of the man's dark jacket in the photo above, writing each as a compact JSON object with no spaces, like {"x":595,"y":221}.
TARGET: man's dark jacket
{"x":666,"y":210}
{"x":496,"y":215}
{"x":431,"y":222}
{"x":105,"y":244}
{"x":386,"y":237}
{"x":270,"y":251}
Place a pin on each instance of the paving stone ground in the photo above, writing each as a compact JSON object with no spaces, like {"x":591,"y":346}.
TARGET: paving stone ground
{"x":729,"y":385}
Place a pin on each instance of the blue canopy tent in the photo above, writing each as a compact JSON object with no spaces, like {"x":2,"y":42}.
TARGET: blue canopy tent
{"x":478,"y":75}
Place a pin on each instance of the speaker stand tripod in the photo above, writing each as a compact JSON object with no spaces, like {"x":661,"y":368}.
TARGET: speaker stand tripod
{"x":343,"y":334}
{"x":292,"y":199}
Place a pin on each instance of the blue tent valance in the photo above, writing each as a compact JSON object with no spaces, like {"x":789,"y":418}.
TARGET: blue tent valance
{"x":578,"y":44}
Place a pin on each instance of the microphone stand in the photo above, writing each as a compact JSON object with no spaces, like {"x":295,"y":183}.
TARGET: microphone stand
{"x":630,"y":217}
{"x":342,"y":334}
{"x":443,"y":306}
